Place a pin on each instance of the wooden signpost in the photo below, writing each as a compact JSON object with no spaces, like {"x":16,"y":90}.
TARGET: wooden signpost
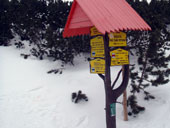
{"x":87,"y":13}
{"x":102,"y":59}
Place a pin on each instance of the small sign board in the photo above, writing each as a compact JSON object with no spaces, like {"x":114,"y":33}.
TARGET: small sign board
{"x":97,"y":46}
{"x":119,"y":57}
{"x":94,"y":31}
{"x":97,"y":52}
{"x":113,"y":109}
{"x":97,"y":42}
{"x":117,"y":39}
{"x":97,"y":66}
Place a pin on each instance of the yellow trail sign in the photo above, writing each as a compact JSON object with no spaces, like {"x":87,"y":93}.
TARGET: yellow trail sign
{"x":97,"y":66}
{"x":97,"y":52}
{"x":97,"y":46}
{"x":97,"y":42}
{"x":119,"y":57}
{"x":94,"y":31}
{"x":117,"y":39}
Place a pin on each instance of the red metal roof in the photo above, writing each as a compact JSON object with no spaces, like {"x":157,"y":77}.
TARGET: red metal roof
{"x":106,"y":15}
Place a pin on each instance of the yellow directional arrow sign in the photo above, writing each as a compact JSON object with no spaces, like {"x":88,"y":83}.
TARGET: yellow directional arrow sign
{"x":94,"y":31}
{"x":97,"y":66}
{"x":97,"y":42}
{"x":117,"y":39}
{"x":97,"y":46}
{"x":97,"y":52}
{"x":119,"y":57}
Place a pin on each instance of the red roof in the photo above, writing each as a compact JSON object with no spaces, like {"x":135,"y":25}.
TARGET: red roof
{"x":106,"y":15}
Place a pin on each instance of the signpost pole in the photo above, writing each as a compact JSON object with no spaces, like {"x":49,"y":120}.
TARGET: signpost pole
{"x":100,"y":64}
{"x":112,"y":94}
{"x":110,"y":101}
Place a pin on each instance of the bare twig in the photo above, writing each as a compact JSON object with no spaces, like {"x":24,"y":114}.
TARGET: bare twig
{"x":118,"y":75}
{"x":119,"y":102}
{"x":101,"y":76}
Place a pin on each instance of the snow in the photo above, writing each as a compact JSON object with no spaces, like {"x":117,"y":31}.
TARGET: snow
{"x":31,"y":98}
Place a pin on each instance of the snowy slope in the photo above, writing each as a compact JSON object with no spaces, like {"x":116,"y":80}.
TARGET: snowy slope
{"x":31,"y":98}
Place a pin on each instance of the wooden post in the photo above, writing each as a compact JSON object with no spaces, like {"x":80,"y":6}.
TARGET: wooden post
{"x":125,"y":106}
{"x":110,"y":120}
{"x":112,"y":94}
{"x":124,"y":101}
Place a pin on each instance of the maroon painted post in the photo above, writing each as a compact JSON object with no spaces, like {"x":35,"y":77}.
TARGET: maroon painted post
{"x":110,"y":94}
{"x":110,"y":119}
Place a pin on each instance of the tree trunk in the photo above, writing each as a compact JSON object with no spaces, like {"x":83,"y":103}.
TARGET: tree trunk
{"x":110,"y":119}
{"x":112,"y":95}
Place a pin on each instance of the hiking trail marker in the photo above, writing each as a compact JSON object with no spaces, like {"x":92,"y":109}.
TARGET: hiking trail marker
{"x":97,"y":46}
{"x":91,"y":17}
{"x":97,"y":66}
{"x":117,"y":39}
{"x":119,"y":57}
{"x":94,"y":31}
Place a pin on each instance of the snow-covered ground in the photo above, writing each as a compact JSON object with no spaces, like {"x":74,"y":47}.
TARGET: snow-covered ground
{"x":31,"y":98}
